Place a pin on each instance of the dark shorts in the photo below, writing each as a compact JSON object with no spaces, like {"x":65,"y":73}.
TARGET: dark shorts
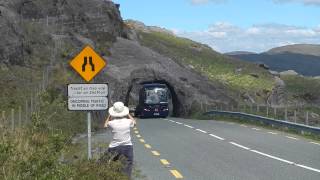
{"x":127,"y":153}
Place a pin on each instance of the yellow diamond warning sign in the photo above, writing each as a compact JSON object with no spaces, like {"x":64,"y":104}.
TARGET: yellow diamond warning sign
{"x":88,"y":63}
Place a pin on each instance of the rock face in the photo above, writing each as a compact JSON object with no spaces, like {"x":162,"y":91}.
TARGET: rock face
{"x":278,"y":95}
{"x":131,"y":64}
{"x":10,"y":46}
{"x":289,"y":72}
{"x":32,"y":26}
{"x":49,"y":33}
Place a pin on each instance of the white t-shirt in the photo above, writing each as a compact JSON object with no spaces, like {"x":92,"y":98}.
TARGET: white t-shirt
{"x":121,"y":132}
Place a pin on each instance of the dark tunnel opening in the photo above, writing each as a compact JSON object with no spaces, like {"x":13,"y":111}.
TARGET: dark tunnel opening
{"x":132,"y":96}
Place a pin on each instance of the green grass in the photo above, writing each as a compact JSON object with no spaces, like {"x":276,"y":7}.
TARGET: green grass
{"x":35,"y":150}
{"x":42,"y":149}
{"x":35,"y":154}
{"x":300,"y":87}
{"x":214,"y":65}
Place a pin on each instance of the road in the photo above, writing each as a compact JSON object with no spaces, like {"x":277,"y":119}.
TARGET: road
{"x":177,"y":148}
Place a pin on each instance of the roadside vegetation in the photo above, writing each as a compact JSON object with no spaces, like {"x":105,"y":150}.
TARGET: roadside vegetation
{"x":42,"y":148}
{"x":302,"y":87}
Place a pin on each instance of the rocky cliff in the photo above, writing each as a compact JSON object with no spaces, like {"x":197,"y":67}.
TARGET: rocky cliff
{"x":45,"y":34}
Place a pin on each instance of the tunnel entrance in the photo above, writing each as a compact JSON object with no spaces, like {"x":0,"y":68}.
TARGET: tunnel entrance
{"x":134,"y":99}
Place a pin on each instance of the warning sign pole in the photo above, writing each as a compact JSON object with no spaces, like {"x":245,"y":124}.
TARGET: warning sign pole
{"x":88,"y":97}
{"x":89,"y":135}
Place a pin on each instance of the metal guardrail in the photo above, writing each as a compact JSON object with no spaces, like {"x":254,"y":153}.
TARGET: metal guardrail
{"x":269,"y":121}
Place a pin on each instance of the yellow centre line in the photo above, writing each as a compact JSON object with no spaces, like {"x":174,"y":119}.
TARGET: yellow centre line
{"x":137,"y":132}
{"x":156,"y":153}
{"x":147,"y":146}
{"x":142,"y":140}
{"x":176,"y":174}
{"x":164,"y":162}
{"x":138,"y":136}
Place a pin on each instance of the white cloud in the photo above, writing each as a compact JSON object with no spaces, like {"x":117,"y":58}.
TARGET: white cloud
{"x":200,"y":2}
{"x":225,"y":37}
{"x":218,"y":34}
{"x":302,"y":32}
{"x":305,"y":2}
{"x":253,"y":30}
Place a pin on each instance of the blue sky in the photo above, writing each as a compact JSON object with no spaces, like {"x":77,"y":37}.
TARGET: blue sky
{"x":231,"y":25}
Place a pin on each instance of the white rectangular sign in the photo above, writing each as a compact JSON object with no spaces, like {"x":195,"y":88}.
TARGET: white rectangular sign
{"x":87,"y":90}
{"x":87,"y":103}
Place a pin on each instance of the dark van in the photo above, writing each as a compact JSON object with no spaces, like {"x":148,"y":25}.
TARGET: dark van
{"x":153,"y":101}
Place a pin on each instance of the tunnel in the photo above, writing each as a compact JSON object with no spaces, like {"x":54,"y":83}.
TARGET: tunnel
{"x":132,"y":98}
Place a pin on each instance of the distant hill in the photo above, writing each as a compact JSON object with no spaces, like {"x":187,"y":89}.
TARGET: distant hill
{"x":305,"y":49}
{"x":300,"y":58}
{"x":234,"y":53}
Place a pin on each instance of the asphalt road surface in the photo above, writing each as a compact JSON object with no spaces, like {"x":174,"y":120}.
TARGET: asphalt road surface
{"x":176,"y":148}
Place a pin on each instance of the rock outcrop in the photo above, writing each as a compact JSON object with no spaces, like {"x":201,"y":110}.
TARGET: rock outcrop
{"x":29,"y":27}
{"x":49,"y":33}
{"x":278,"y":95}
{"x":131,"y":64}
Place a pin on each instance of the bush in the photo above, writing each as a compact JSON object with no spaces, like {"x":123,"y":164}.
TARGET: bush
{"x":37,"y":151}
{"x":36,"y":154}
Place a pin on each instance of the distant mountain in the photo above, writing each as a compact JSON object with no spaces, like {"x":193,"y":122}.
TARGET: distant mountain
{"x":306,"y":49}
{"x":235,"y":53}
{"x":301,"y":58}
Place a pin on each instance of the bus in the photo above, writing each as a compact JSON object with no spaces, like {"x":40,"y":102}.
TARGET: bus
{"x":153,"y":101}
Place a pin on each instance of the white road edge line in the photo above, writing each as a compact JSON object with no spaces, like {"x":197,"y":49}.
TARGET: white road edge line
{"x":292,"y":138}
{"x":201,"y":130}
{"x":272,"y":157}
{"x":179,"y":122}
{"x":272,"y":133}
{"x":220,"y":138}
{"x":286,"y":161}
{"x":243,"y":125}
{"x":256,"y":129}
{"x":307,"y":167}
{"x":276,"y":158}
{"x":315,"y":143}
{"x":258,"y":152}
{"x":188,"y":126}
{"x":240,"y":146}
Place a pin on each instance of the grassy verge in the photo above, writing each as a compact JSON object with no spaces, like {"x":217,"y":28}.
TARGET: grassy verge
{"x":35,"y":153}
{"x":305,"y":89}
{"x":42,"y":149}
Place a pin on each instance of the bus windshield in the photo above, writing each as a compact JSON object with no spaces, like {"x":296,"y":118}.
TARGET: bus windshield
{"x":156,"y":95}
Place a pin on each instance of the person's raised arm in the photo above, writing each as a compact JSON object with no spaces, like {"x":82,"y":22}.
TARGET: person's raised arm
{"x":107,"y":121}
{"x":134,"y":121}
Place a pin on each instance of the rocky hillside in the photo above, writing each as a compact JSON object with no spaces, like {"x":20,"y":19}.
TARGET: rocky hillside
{"x":295,"y":63}
{"x":242,"y":79}
{"x":40,"y":37}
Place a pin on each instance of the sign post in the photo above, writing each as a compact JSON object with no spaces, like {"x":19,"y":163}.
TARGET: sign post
{"x":89,"y":135}
{"x":88,"y":97}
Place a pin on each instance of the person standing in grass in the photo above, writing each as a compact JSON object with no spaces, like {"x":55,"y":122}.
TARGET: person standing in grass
{"x":120,"y":121}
